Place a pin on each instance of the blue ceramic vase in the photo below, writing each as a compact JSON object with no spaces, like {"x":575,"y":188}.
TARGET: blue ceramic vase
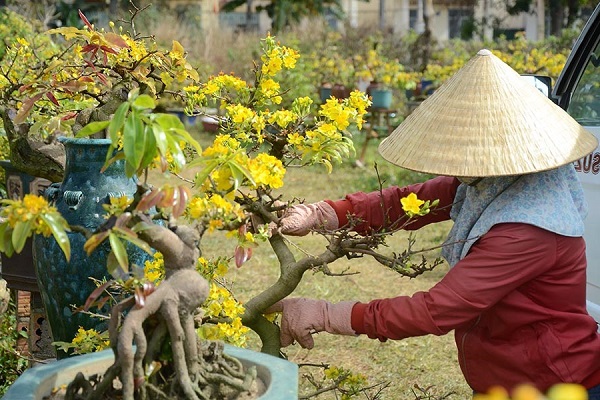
{"x":79,"y":198}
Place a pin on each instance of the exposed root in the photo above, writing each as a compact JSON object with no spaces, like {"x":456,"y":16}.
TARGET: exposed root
{"x":197,"y":370}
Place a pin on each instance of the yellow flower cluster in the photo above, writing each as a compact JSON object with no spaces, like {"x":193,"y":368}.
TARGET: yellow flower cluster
{"x":87,"y":341}
{"x":350,"y":383}
{"x":221,"y":306}
{"x":117,"y":205}
{"x":154,"y":270}
{"x":276,"y":57}
{"x":528,"y":60}
{"x":30,"y":211}
{"x":228,"y":157}
{"x":212,"y":269}
{"x":325,"y":141}
{"x":214,"y":210}
{"x":378,"y":68}
{"x":266,"y":170}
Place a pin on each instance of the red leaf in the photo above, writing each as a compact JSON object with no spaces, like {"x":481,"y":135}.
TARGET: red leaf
{"x":51,"y":97}
{"x":149,"y":200}
{"x":242,"y":255}
{"x":85,"y":20}
{"x":115,"y":40}
{"x":26,"y":108}
{"x":181,"y":199}
{"x":107,"y":49}
{"x":95,"y":294}
{"x":24,"y":87}
{"x":89,"y":47}
{"x":69,"y":116}
{"x":140,"y":298}
{"x":102,"y":78}
{"x":149,"y":288}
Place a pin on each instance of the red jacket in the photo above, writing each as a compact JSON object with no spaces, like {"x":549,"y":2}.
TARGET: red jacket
{"x":516,"y":302}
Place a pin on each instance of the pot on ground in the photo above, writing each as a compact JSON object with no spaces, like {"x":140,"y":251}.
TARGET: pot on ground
{"x":279,"y":376}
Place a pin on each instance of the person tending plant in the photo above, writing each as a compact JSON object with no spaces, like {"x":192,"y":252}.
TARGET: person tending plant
{"x":515,"y":295}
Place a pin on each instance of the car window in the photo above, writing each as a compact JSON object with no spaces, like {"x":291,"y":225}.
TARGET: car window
{"x":585,"y":102}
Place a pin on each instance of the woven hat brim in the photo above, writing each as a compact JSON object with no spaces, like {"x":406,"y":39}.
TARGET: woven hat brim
{"x":487,"y":121}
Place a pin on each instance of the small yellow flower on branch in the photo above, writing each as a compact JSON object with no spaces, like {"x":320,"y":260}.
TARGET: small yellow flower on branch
{"x":411,"y":205}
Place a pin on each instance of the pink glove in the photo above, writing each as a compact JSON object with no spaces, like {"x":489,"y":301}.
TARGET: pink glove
{"x":298,"y":220}
{"x":302,"y":317}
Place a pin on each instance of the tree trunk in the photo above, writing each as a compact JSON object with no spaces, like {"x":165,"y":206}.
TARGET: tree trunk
{"x":556,"y":16}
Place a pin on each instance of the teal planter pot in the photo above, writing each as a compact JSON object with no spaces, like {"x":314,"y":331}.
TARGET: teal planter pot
{"x":79,"y":198}
{"x":280,"y":376}
{"x":324,"y":93}
{"x":381,"y":98}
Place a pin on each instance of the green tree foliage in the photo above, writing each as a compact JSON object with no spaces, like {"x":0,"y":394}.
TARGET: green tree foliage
{"x":288,"y":12}
{"x":563,"y":13}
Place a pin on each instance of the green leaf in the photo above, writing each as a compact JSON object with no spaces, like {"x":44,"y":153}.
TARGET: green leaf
{"x":133,"y":93}
{"x":176,"y":152}
{"x":94,"y":241}
{"x":130,"y":170}
{"x":116,"y":124}
{"x":185,"y":136}
{"x":6,"y":240}
{"x":133,"y":140}
{"x":134,"y":240}
{"x":119,"y":251}
{"x":21,"y":232}
{"x":206,"y":171}
{"x":144,"y":101}
{"x":111,"y":159}
{"x":237,"y":174}
{"x":59,"y":229}
{"x":3,"y":228}
{"x":150,"y":147}
{"x":92,"y":127}
{"x":161,"y":138}
{"x":169,"y":121}
{"x":114,"y":268}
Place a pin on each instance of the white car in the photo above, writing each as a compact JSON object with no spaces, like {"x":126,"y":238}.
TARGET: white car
{"x":577,"y":90}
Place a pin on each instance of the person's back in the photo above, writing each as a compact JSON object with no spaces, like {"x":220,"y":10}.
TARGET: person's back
{"x":538,"y":329}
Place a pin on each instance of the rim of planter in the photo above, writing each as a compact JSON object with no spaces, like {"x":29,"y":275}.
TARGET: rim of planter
{"x":66,"y":139}
{"x":280,"y":376}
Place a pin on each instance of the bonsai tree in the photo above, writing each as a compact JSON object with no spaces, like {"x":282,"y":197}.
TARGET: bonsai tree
{"x":116,"y":80}
{"x":53,"y":83}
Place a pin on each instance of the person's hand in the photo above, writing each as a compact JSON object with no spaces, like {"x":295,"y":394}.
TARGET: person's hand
{"x":302,"y":317}
{"x":300,"y":219}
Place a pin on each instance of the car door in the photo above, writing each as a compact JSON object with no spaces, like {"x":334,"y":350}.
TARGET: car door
{"x":577,"y":90}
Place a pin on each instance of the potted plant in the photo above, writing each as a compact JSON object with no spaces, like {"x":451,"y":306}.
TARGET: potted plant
{"x":52,"y":88}
{"x":385,"y":75}
{"x":235,"y":185}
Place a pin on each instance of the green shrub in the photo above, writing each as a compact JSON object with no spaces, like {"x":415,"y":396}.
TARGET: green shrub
{"x":12,"y":364}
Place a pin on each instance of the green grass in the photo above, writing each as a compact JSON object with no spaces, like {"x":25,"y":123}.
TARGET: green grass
{"x":427,"y":361}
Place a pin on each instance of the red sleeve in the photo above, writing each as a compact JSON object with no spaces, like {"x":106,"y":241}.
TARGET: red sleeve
{"x":502,"y":260}
{"x":383,"y":208}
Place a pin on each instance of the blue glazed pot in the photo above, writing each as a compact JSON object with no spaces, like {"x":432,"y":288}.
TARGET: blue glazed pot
{"x":280,"y":376}
{"x":79,"y":198}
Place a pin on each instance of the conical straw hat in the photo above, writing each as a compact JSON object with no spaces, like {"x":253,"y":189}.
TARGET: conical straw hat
{"x":486,"y":121}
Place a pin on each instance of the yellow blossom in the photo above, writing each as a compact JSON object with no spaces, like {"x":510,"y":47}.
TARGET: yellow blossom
{"x":282,"y":118}
{"x":240,"y":114}
{"x":411,"y":204}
